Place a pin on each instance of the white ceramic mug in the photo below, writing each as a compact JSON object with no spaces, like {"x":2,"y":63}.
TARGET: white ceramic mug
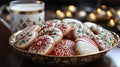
{"x":24,"y":13}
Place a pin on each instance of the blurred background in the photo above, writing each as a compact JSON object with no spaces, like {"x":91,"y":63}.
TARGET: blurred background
{"x":103,"y":12}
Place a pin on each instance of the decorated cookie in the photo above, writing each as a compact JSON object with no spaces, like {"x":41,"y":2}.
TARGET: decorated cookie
{"x":64,"y":48}
{"x":43,"y":45}
{"x":85,"y":46}
{"x":104,"y":41}
{"x":29,"y":28}
{"x":103,"y":37}
{"x":56,"y":21}
{"x":12,"y":38}
{"x":89,"y":24}
{"x":46,"y":24}
{"x":72,"y":22}
{"x":54,"y":32}
{"x":65,"y":28}
{"x":26,"y":39}
{"x":83,"y":31}
{"x":110,"y":38}
{"x":35,"y":28}
{"x":94,"y":28}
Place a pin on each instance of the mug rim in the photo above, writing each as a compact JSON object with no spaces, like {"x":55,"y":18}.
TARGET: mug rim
{"x":18,"y":2}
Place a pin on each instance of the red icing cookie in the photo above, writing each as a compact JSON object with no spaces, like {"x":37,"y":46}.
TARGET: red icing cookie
{"x":64,"y":48}
{"x":44,"y":45}
{"x":26,"y":39}
{"x":65,"y":28}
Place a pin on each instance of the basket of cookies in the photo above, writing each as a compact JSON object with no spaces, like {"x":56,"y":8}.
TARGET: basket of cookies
{"x":64,"y":42}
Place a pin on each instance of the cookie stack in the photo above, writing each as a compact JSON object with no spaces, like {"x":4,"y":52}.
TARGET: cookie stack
{"x":66,"y":37}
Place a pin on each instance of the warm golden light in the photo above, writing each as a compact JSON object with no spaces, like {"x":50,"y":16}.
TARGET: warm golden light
{"x":99,"y":10}
{"x":68,"y":14}
{"x":72,"y":8}
{"x":103,"y":7}
{"x":118,"y":12}
{"x":60,"y":14}
{"x":111,"y":23}
{"x":38,"y":1}
{"x":92,"y":17}
{"x":58,"y":11}
{"x":101,"y":13}
{"x":109,"y":13}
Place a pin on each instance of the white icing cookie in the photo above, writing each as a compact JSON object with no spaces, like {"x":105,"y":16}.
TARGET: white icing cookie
{"x":85,"y":46}
{"x":12,"y":38}
{"x":43,"y":45}
{"x":72,"y":22}
{"x":83,"y":31}
{"x":26,"y":39}
{"x":35,"y":28}
{"x":110,"y":38}
{"x":46,"y":24}
{"x":56,"y":21}
{"x":89,"y":24}
{"x":54,"y":32}
{"x":103,"y":37}
{"x":65,"y":28}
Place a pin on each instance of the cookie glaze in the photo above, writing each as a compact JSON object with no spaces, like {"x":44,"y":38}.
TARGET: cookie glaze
{"x":85,"y":46}
{"x":26,"y":39}
{"x":54,"y":32}
{"x":64,"y":48}
{"x":43,"y":45}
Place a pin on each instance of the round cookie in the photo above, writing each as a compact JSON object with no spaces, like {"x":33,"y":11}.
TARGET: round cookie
{"x":72,"y":22}
{"x":35,"y":28}
{"x":102,"y":37}
{"x":12,"y":38}
{"x":83,"y":31}
{"x":65,"y":28}
{"x":110,"y":38}
{"x":56,"y":21}
{"x":89,"y":24}
{"x":46,"y":24}
{"x":104,"y":41}
{"x":43,"y":45}
{"x":85,"y":46}
{"x":95,"y":28}
{"x":54,"y":32}
{"x":26,"y":39}
{"x":64,"y":48}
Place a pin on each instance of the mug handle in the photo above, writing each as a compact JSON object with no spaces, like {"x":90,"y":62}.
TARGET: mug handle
{"x":3,"y":21}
